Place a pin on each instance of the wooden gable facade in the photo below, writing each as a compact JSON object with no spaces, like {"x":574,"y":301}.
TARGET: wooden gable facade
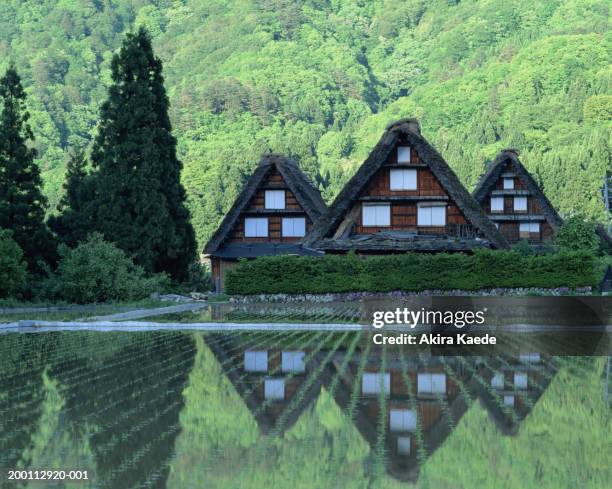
{"x":514,"y":202}
{"x":276,"y":209}
{"x":404,"y":198}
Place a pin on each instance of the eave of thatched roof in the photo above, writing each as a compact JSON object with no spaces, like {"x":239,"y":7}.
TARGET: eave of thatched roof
{"x":494,"y":171}
{"x":409,"y":129}
{"x":307,"y":195}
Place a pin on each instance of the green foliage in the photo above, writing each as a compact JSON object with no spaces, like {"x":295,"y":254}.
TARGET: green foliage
{"x":410,"y":272}
{"x":12,"y":267}
{"x":598,"y":108}
{"x":97,"y":271}
{"x":22,"y":204}
{"x":138,"y":199}
{"x":576,"y":234}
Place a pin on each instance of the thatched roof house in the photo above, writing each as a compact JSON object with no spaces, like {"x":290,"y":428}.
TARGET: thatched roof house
{"x":404,"y":197}
{"x":514,"y":202}
{"x":276,"y":209}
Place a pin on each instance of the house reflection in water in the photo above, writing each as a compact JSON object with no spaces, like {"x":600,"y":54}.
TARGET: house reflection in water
{"x":411,"y":401}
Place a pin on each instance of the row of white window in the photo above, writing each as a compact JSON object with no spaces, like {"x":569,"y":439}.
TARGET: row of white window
{"x":291,"y":227}
{"x":291,"y":361}
{"x":520,"y":381}
{"x":497,"y":204}
{"x":427,"y":214}
{"x":427,"y":383}
{"x":525,"y":227}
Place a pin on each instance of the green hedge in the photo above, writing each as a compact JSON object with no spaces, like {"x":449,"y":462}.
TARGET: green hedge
{"x":410,"y":272}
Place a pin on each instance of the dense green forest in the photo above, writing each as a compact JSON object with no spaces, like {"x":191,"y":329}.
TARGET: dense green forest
{"x":320,"y":79}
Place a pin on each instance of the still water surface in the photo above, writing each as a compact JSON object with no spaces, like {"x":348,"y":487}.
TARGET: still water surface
{"x":299,"y":409}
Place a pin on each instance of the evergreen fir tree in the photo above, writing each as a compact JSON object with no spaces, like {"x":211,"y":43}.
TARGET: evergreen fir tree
{"x":22,"y":203}
{"x":74,"y":221}
{"x":139,"y":199}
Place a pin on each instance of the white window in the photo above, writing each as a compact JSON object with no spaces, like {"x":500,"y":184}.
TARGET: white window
{"x":402,"y":420}
{"x":531,"y":357}
{"x":431,"y":383}
{"x":497,"y":381}
{"x":403,"y":179}
{"x":403,"y":445}
{"x":294,"y":227}
{"x":497,"y":204}
{"x":520,"y":381}
{"x":529,"y":227}
{"x":293,"y":361}
{"x":431,"y":215}
{"x":372,"y":383}
{"x":275,"y":199}
{"x":274,"y":389}
{"x":508,"y":183}
{"x":256,"y":361}
{"x":508,"y":400}
{"x":520,"y":203}
{"x":256,"y":227}
{"x":403,"y":154}
{"x":376,"y":215}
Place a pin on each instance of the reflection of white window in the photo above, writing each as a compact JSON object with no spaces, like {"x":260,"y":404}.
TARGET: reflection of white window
{"x":402,"y":420}
{"x":256,"y":361}
{"x":531,"y":357}
{"x":256,"y":227}
{"x":520,"y":381}
{"x":275,"y":199}
{"x":431,"y":215}
{"x":508,"y":400}
{"x":508,"y":183}
{"x":403,"y":154}
{"x":431,"y":383}
{"x":520,"y":203}
{"x":372,"y":383}
{"x":403,"y":180}
{"x":403,"y":445}
{"x":274,"y":389}
{"x":293,"y":361}
{"x":529,"y":227}
{"x":376,"y":215}
{"x":497,"y":381}
{"x":497,"y":204}
{"x":294,"y":227}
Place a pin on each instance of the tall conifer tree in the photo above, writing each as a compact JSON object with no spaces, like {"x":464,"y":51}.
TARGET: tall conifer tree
{"x":74,"y":221}
{"x":139,"y":199}
{"x":22,"y":203}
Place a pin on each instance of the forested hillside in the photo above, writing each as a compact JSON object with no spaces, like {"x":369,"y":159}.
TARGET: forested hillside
{"x":320,"y":79}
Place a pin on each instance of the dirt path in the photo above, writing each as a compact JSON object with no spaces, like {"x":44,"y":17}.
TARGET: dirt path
{"x":144,"y":313}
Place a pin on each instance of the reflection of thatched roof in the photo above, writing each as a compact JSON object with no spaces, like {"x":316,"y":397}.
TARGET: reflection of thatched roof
{"x":267,"y":417}
{"x":408,"y":129}
{"x":403,"y":468}
{"x":495,"y":169}
{"x":305,"y":193}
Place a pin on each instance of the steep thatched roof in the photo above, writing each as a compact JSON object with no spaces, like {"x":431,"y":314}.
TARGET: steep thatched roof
{"x":408,"y":129}
{"x":494,"y":171}
{"x":305,"y":192}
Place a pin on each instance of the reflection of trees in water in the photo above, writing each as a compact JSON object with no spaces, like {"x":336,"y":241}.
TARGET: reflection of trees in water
{"x":132,"y":400}
{"x":120,"y":403}
{"x":112,"y":410}
{"x":23,"y":360}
